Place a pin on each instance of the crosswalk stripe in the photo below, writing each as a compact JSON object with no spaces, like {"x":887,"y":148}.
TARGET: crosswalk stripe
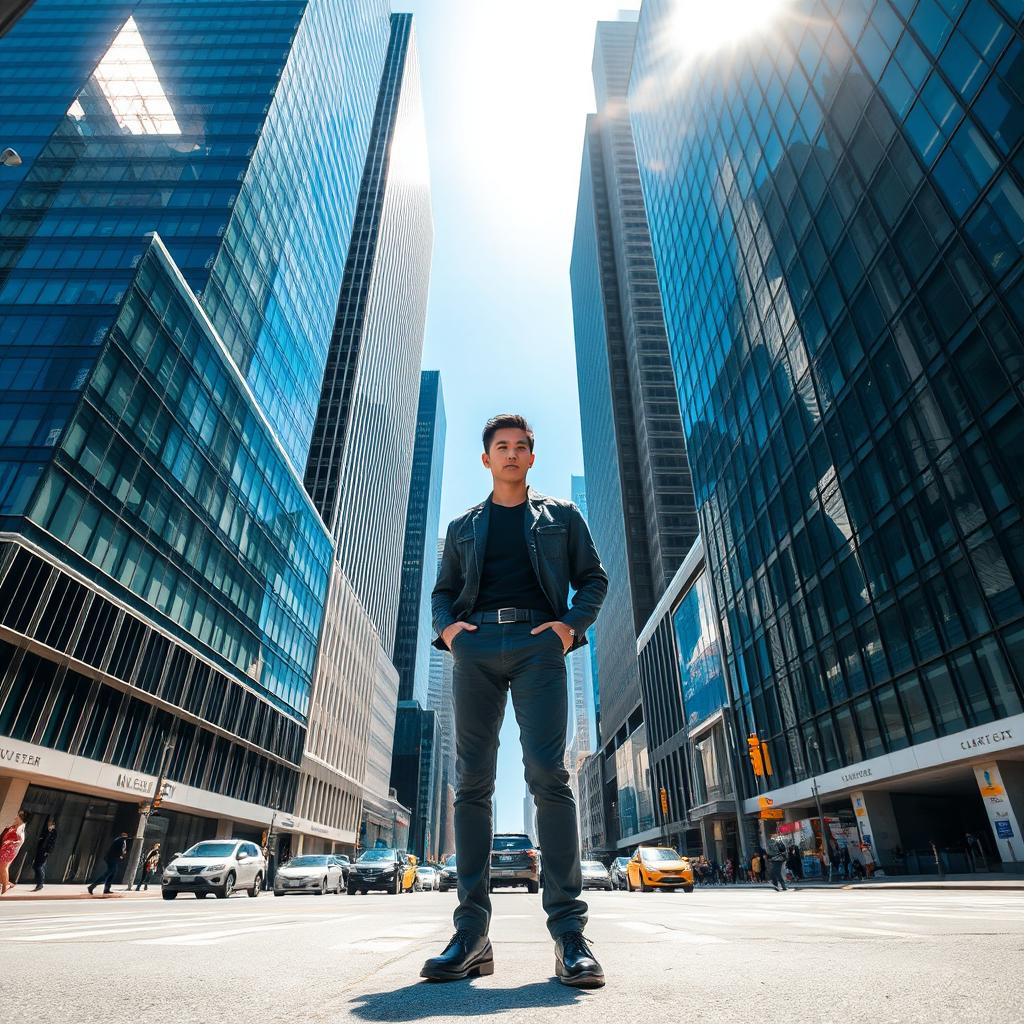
{"x":828,"y":926}
{"x":210,"y":938}
{"x":114,"y":929}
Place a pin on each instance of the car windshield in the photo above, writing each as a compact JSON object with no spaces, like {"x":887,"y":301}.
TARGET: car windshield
{"x":210,"y":850}
{"x":450,"y":862}
{"x":621,"y":861}
{"x":426,"y":868}
{"x":593,"y":865}
{"x":307,"y":862}
{"x":377,"y":855}
{"x":511,"y":843}
{"x":660,"y":855}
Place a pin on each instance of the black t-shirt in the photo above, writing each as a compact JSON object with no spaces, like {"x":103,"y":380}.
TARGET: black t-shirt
{"x":507,"y":579}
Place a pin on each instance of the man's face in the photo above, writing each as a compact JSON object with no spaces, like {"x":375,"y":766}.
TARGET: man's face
{"x":509,"y":458}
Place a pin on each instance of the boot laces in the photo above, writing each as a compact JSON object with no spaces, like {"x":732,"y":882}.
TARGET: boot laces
{"x":576,"y":944}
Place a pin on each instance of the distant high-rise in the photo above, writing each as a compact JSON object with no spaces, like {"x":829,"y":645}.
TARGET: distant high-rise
{"x":360,"y":461}
{"x":167,"y":287}
{"x":639,"y":496}
{"x":419,"y":562}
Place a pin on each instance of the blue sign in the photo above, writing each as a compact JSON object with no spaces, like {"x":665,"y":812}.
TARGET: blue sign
{"x":1004,"y":830}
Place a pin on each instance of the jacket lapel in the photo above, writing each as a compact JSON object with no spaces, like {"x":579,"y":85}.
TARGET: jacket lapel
{"x":533,"y":510}
{"x":481,"y":521}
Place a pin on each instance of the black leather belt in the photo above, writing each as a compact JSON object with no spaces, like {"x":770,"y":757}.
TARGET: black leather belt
{"x":506,"y":615}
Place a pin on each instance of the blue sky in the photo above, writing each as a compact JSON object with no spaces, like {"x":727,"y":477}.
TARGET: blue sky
{"x":506,"y":90}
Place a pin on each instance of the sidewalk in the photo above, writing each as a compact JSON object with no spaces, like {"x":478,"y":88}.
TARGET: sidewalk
{"x":77,"y":891}
{"x":988,"y":883}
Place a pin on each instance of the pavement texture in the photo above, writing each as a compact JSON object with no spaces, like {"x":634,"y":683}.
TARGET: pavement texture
{"x":743,"y":955}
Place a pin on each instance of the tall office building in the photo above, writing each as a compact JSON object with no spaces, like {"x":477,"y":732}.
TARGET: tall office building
{"x":416,"y":775}
{"x":419,"y":561}
{"x":837,"y":214}
{"x":360,"y":460}
{"x":578,"y":488}
{"x":171,"y":256}
{"x":640,"y":500}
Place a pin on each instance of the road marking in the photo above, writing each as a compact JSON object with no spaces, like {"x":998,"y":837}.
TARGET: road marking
{"x":211,"y":938}
{"x":110,"y":929}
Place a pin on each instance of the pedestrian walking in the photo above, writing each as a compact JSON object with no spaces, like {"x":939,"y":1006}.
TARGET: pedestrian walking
{"x":11,"y":840}
{"x":44,"y":847}
{"x":762,"y":875}
{"x":501,"y":607}
{"x":113,"y":859}
{"x":776,"y":862}
{"x":795,"y":863}
{"x":150,"y":867}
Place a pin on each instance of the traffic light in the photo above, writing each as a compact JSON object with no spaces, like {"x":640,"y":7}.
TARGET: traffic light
{"x":754,"y":750}
{"x":158,"y":797}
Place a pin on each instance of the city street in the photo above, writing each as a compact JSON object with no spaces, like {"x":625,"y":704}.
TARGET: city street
{"x":725,"y":955}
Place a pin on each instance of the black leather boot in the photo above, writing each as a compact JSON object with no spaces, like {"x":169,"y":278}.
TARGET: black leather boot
{"x":575,"y":963}
{"x":467,"y":954}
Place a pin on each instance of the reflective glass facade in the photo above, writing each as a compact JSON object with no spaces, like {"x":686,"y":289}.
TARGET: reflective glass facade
{"x":700,"y":658}
{"x":838,"y":220}
{"x":419,"y":561}
{"x":361,"y":455}
{"x":169,"y":484}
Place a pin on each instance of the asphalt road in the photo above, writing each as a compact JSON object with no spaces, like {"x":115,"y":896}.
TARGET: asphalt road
{"x":747,"y":955}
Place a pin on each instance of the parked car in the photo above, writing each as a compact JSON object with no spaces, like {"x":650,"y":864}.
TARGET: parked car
{"x":595,"y":875}
{"x":380,"y":868}
{"x":514,"y":861}
{"x":427,"y":877}
{"x":449,"y":878}
{"x":617,"y":872}
{"x":319,"y":873}
{"x":219,"y":866}
{"x":658,"y":867}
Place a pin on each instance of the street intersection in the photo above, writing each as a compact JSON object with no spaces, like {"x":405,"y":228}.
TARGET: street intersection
{"x":872,"y":955}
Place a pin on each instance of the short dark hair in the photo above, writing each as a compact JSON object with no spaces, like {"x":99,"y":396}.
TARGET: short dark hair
{"x":503,"y":420}
{"x":25,"y":816}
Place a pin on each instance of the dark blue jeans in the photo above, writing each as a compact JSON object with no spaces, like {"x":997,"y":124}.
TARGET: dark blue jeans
{"x":108,"y":876}
{"x":40,"y":870}
{"x":488,"y":664}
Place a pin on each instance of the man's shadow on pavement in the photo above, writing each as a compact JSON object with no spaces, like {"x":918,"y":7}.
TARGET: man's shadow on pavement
{"x":422,"y":1000}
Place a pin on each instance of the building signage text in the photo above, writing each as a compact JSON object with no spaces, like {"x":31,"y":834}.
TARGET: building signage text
{"x":987,"y":739}
{"x":19,"y":757}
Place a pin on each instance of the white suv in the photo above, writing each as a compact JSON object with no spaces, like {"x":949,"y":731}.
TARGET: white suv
{"x":215,"y":865}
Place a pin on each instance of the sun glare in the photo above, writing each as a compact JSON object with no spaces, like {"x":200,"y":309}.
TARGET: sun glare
{"x":706,"y":26}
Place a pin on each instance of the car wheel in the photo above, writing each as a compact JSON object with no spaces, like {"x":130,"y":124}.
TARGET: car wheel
{"x":168,"y":895}
{"x":351,"y":889}
{"x":533,"y":887}
{"x":276,"y":893}
{"x":340,"y":889}
{"x":202,"y":895}
{"x":687,"y":888}
{"x":629,"y":884}
{"x":644,"y":887}
{"x":227,"y":888}
{"x":398,"y":887}
{"x":257,"y":884}
{"x":323,"y":887}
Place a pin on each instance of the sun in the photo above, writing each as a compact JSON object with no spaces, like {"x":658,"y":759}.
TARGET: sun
{"x":700,"y":27}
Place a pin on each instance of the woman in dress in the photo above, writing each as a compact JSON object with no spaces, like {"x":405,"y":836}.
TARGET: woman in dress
{"x":11,"y":840}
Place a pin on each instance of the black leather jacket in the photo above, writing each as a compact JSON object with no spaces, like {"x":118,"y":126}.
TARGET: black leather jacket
{"x":561,"y":550}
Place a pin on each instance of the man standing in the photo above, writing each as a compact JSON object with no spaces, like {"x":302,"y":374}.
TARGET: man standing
{"x":112,"y":859}
{"x":44,"y":847}
{"x":776,"y":862}
{"x":501,"y":607}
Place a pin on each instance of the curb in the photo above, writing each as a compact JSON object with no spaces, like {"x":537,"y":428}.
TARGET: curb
{"x":50,"y":897}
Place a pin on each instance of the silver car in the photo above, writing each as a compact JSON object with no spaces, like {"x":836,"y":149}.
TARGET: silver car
{"x":427,"y":877}
{"x":219,"y":866}
{"x":595,"y":875}
{"x":315,"y":872}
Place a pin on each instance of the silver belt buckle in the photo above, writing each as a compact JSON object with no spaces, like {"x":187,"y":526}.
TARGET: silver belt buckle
{"x":501,"y":613}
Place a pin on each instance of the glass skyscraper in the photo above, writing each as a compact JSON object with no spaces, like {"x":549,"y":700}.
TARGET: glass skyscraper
{"x":641,"y":503}
{"x":171,"y":256}
{"x":837,"y":213}
{"x":419,"y":561}
{"x":361,"y":458}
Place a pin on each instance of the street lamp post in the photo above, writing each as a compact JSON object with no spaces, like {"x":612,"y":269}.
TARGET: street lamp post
{"x":817,"y":803}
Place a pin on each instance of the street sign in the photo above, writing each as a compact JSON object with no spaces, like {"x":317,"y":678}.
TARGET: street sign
{"x":771,"y":813}
{"x":764,"y":801}
{"x":1004,"y":830}
{"x":664,"y":801}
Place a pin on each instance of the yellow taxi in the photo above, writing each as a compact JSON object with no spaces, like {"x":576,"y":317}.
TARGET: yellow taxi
{"x":409,"y":874}
{"x":658,"y":867}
